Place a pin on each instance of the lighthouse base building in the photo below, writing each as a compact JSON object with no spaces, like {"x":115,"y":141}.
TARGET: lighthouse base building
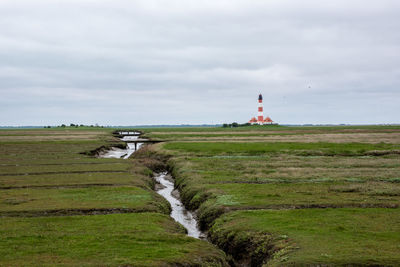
{"x":266,"y":121}
{"x":260,"y":117}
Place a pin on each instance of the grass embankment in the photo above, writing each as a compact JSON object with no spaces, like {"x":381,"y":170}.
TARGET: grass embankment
{"x":138,"y":239}
{"x":295,"y":203}
{"x":46,"y":180}
{"x":332,"y":134}
{"x":312,"y":237}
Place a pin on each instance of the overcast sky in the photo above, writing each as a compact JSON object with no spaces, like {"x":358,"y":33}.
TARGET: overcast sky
{"x":190,"y":61}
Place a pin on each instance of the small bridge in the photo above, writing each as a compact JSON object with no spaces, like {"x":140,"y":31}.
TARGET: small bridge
{"x":125,"y":133}
{"x":141,"y":141}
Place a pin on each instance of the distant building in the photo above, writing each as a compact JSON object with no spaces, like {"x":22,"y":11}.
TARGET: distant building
{"x":260,"y":116}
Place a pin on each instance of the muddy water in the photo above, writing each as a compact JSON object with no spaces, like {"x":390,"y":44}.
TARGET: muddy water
{"x":166,"y":188}
{"x":124,"y":153}
{"x":129,"y":138}
{"x":179,"y":213}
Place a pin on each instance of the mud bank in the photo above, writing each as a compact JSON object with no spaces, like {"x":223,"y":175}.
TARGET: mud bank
{"x":242,"y":249}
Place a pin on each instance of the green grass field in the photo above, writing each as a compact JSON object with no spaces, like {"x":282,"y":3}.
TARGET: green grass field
{"x":59,"y":205}
{"x":315,"y":237}
{"x":268,"y":196}
{"x":296,"y":202}
{"x":308,"y":149}
{"x":269,"y":128}
{"x":138,"y":239}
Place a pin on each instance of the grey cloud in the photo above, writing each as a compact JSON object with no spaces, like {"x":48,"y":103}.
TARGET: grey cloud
{"x":198,"y":61}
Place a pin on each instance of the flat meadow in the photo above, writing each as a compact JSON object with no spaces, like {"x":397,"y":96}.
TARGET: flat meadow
{"x":264,"y":195}
{"x":62,"y":206}
{"x":292,"y":196}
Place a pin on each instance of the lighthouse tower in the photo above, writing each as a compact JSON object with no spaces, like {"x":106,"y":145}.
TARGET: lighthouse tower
{"x":260,"y":117}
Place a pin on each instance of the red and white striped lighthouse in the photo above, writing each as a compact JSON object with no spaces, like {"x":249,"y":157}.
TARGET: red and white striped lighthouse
{"x":260,"y":116}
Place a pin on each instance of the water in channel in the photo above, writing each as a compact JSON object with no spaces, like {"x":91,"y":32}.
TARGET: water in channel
{"x":179,"y":213}
{"x":124,"y":153}
{"x":166,"y":188}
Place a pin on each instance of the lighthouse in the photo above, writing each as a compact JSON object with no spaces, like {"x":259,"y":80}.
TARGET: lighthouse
{"x":260,"y":116}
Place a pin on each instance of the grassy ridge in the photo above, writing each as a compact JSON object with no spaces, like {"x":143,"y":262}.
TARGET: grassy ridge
{"x":93,"y":197}
{"x":141,"y":239}
{"x":69,"y":179}
{"x":310,"y":237}
{"x":309,"y":149}
{"x":4,"y":170}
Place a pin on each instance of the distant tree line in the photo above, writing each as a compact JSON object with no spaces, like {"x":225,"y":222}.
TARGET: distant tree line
{"x":235,"y":124}
{"x":74,"y":125}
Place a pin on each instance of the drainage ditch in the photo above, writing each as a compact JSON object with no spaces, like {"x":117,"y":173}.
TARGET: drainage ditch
{"x":165,"y":184}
